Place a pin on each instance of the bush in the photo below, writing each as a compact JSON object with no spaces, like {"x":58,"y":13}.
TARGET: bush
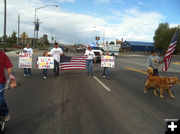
{"x":43,"y":47}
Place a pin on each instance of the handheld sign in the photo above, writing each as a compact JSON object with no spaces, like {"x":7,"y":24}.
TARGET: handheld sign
{"x":45,"y":62}
{"x":108,"y":61}
{"x":25,"y":60}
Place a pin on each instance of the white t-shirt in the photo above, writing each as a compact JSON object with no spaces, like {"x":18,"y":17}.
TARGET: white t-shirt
{"x":28,"y":50}
{"x":90,"y":55}
{"x":55,"y":52}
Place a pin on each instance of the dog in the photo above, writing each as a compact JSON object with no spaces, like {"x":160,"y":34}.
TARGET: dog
{"x":161,"y":83}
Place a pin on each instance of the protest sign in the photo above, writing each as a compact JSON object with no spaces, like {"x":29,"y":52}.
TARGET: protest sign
{"x":108,"y":61}
{"x":25,"y":60}
{"x":45,"y":62}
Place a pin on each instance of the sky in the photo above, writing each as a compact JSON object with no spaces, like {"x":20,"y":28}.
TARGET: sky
{"x":79,"y":21}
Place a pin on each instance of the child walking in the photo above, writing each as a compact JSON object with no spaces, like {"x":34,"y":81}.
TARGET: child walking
{"x":106,"y":69}
{"x":45,"y":71}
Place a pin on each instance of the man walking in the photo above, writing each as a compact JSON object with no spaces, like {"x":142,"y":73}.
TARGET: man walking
{"x":5,"y":63}
{"x":56,"y":52}
{"x":90,"y":57}
{"x":29,"y":51}
{"x":154,"y":61}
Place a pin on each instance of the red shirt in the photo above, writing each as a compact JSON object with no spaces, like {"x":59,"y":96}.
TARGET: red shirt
{"x":4,"y":63}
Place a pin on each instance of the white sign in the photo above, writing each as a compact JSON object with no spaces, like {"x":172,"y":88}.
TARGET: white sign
{"x":45,"y":62}
{"x":25,"y":60}
{"x":108,"y":61}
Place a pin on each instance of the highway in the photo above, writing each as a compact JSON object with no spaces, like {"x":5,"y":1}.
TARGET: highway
{"x":74,"y":103}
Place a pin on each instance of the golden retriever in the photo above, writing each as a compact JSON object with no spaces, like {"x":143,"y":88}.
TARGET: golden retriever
{"x":161,"y":83}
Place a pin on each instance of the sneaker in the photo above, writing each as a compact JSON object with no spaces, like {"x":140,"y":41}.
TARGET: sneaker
{"x":7,"y":118}
{"x":108,"y":77}
{"x":25,"y":75}
{"x":44,"y":77}
{"x":28,"y":75}
{"x":104,"y":76}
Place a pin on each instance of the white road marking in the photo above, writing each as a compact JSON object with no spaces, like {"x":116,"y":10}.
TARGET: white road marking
{"x":102,"y":84}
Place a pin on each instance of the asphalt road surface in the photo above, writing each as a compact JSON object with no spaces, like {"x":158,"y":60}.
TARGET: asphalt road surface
{"x":74,"y":103}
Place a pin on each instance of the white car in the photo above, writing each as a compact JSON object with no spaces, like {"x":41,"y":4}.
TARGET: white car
{"x":98,"y":52}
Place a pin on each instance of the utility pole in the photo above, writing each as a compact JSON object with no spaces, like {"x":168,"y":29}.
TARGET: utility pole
{"x":18,"y":40}
{"x":37,"y":29}
{"x":36,"y":23}
{"x":5,"y":37}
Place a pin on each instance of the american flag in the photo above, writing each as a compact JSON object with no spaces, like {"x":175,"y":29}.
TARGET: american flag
{"x":170,"y":51}
{"x":73,"y":63}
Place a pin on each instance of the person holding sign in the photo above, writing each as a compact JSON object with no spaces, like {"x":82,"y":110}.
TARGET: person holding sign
{"x":46,"y":54}
{"x":90,"y":57}
{"x":106,"y":69}
{"x":29,"y":52}
{"x":56,"y":52}
{"x":5,"y":63}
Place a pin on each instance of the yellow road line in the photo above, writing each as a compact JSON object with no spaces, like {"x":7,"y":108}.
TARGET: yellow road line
{"x":177,"y":63}
{"x":136,"y":70}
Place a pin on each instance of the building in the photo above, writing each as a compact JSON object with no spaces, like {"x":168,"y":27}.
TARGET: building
{"x":138,"y":46}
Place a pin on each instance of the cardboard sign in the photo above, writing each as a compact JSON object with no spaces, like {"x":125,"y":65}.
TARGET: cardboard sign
{"x":108,"y":61}
{"x":45,"y":62}
{"x":25,"y":60}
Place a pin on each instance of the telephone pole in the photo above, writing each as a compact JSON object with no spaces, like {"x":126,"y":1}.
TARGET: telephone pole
{"x":18,"y":41}
{"x":5,"y":37}
{"x":37,"y":30}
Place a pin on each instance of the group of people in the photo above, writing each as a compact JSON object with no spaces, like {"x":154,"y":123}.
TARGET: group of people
{"x":153,"y":61}
{"x":89,"y":62}
{"x":55,"y":52}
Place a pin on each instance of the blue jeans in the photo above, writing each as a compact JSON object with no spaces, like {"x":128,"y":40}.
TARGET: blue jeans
{"x":3,"y":106}
{"x":56,"y":68}
{"x":155,"y":72}
{"x":106,"y":72}
{"x":27,"y":71}
{"x":89,"y":66}
{"x":45,"y":72}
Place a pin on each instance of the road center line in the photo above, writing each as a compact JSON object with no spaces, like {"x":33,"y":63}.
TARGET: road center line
{"x":102,"y":84}
{"x":136,"y":70}
{"x":176,"y":63}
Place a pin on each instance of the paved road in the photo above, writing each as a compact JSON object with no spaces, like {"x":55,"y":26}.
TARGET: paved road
{"x":74,"y":103}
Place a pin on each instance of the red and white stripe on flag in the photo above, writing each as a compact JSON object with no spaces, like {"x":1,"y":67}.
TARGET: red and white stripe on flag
{"x":75,"y":63}
{"x":170,"y":51}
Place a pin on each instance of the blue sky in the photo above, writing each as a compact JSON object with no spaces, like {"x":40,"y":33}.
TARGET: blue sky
{"x":79,"y":21}
{"x":168,"y":8}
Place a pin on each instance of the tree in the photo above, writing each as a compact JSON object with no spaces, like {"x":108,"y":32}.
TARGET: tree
{"x":163,"y":36}
{"x":12,"y":40}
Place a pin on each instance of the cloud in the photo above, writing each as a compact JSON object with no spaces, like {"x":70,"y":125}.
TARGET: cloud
{"x":111,"y":1}
{"x":140,"y":3}
{"x":72,"y":28}
{"x":71,"y":1}
{"x":135,"y":25}
{"x":104,"y":1}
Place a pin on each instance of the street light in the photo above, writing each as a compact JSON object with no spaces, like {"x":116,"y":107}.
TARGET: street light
{"x":35,"y":21}
{"x":103,"y":33}
{"x":4,"y":38}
